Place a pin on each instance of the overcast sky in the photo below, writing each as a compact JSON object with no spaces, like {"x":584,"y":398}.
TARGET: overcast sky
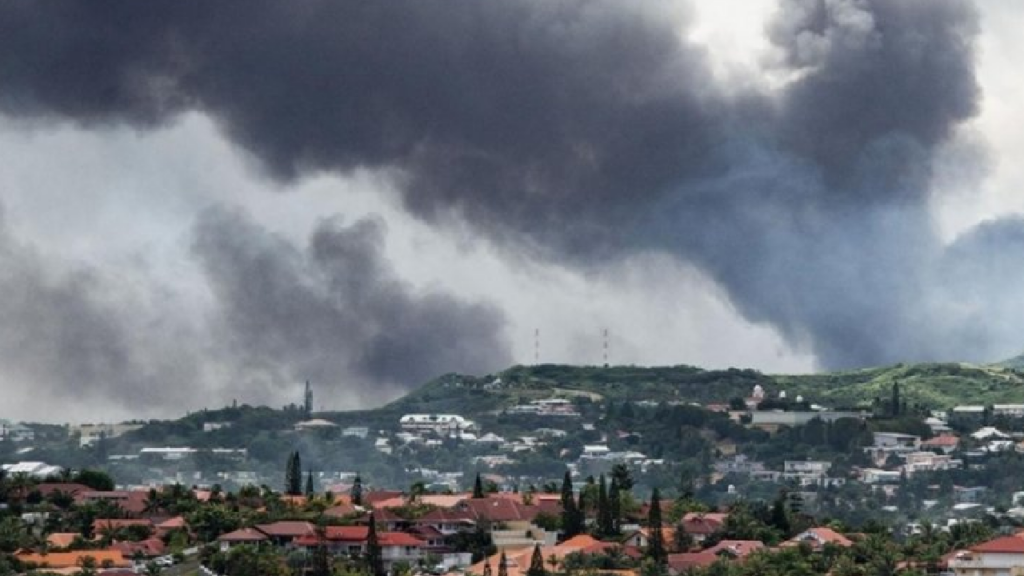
{"x":370,"y":197}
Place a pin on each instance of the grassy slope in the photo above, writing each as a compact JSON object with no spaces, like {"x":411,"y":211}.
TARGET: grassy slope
{"x":934,"y":385}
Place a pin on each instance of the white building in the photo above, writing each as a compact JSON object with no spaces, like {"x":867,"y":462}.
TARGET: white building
{"x":806,"y":472}
{"x":877,"y":476}
{"x":356,"y":431}
{"x":439,"y":423}
{"x":1000,"y":557}
{"x":89,"y":434}
{"x":929,"y":462}
{"x":33,"y":469}
{"x":16,"y":432}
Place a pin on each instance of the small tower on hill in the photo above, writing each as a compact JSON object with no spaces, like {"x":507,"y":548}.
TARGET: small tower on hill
{"x":308,"y":406}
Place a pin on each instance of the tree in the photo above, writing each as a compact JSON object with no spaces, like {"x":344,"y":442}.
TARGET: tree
{"x":478,"y":487}
{"x":780,"y":514}
{"x":503,"y":565}
{"x":87,"y":566}
{"x":572,"y":517}
{"x":321,"y":557}
{"x":95,"y":479}
{"x":894,"y":407}
{"x":357,"y":491}
{"x":622,"y":477}
{"x":605,"y":520}
{"x":374,"y":553}
{"x":487,"y":567}
{"x":293,"y":475}
{"x":309,"y":485}
{"x":536,"y":563}
{"x":615,"y":505}
{"x":656,"y":547}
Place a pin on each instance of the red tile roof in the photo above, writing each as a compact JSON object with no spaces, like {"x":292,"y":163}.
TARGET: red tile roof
{"x":149,"y":547}
{"x":442,"y":516}
{"x":286,"y":529}
{"x":737,"y":548}
{"x":341,"y":510}
{"x":72,"y":488}
{"x":818,"y":537}
{"x":1003,"y":545}
{"x":499,"y":509}
{"x":703,"y":523}
{"x":377,"y":495}
{"x":942,"y":441}
{"x":243,"y":535}
{"x":400,"y":539}
{"x":73,"y":559}
{"x":687,"y":560}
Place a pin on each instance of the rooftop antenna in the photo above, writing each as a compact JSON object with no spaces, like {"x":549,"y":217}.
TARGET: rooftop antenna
{"x":605,"y":347}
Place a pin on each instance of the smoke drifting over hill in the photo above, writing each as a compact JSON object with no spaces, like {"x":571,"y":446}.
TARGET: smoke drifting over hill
{"x":569,"y":130}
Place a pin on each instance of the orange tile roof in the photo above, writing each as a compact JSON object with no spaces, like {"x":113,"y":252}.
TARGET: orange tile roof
{"x":286,"y":529}
{"x":243,"y":535}
{"x":942,"y":441}
{"x":61,"y":539}
{"x":519,"y":558}
{"x":1003,"y":545}
{"x":703,"y":523}
{"x":818,"y":537}
{"x":72,"y":559}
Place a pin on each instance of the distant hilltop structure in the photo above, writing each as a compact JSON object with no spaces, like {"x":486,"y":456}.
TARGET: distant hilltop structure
{"x":308,"y":400}
{"x":435,"y":422}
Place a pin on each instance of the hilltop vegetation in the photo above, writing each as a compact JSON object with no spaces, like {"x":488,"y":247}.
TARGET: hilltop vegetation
{"x":935,"y":386}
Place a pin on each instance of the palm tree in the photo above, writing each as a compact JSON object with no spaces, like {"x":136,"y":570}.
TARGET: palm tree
{"x":153,"y":503}
{"x":554,"y":562}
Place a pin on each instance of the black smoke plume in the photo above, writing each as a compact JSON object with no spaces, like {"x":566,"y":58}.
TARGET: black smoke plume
{"x":579,"y":130}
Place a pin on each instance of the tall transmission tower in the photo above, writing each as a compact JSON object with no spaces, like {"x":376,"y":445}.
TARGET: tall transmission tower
{"x":536,"y":346}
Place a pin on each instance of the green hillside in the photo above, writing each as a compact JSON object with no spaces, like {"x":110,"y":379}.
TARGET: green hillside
{"x":1015,"y":363}
{"x":936,"y":386}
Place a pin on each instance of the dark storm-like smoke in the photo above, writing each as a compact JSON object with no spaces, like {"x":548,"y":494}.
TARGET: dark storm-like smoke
{"x":578,"y":130}
{"x":335,"y":310}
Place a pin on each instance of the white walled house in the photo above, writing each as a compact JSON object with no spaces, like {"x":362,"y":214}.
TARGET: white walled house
{"x":1000,"y":557}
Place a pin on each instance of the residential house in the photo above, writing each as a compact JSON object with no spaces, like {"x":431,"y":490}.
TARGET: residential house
{"x":282,"y":533}
{"x":1002,"y":556}
{"x":33,"y":469}
{"x":437,"y":423}
{"x":701,"y":525}
{"x":89,"y":434}
{"x":447,"y":522}
{"x":929,"y":462}
{"x":945,"y":443}
{"x":73,"y":560}
{"x":241,"y":536}
{"x":641,"y":538}
{"x":888,"y":444}
{"x":879,"y":476}
{"x":772,"y":420}
{"x":356,"y":431}
{"x":682,"y":563}
{"x":395,"y":546}
{"x":989,"y":433}
{"x":818,"y":538}
{"x":518,"y":560}
{"x":16,"y":432}
{"x":806,"y":472}
{"x":969,"y":494}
